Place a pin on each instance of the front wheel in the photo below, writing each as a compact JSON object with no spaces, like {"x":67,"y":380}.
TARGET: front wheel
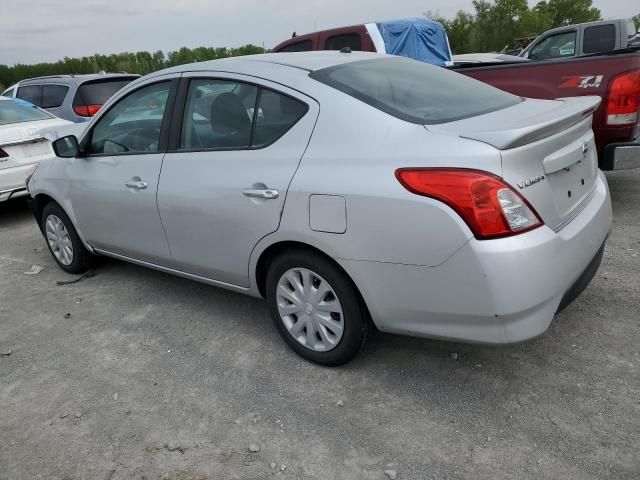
{"x":63,"y":240}
{"x":316,"y":308}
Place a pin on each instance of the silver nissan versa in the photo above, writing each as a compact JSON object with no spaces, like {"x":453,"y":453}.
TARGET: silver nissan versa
{"x":349,"y":190}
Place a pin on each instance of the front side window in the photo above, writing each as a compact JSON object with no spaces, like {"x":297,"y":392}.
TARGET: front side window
{"x":303,"y":46}
{"x":600,"y":38}
{"x":18,"y":111}
{"x":8,"y":93}
{"x":53,"y":95}
{"x":415,"y":91}
{"x":133,"y":124}
{"x":31,"y":93}
{"x":555,"y":46}
{"x":226,"y":114}
{"x":338,"y":42}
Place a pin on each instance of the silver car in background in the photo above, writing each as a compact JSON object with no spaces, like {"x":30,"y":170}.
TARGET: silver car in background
{"x":347,"y":189}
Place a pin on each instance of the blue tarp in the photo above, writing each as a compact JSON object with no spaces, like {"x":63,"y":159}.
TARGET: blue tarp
{"x":417,"y":38}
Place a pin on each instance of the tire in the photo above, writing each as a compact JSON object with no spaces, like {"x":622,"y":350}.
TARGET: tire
{"x":75,"y":260}
{"x":296,"y":311}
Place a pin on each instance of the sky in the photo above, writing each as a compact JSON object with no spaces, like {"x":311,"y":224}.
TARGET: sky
{"x":48,"y":30}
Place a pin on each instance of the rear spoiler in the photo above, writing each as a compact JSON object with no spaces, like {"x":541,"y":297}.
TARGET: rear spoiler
{"x":531,"y":129}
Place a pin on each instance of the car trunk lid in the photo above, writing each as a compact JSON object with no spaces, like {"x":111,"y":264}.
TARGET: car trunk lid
{"x":26,"y":143}
{"x":548,"y":152}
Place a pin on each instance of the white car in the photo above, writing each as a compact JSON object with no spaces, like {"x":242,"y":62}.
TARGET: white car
{"x":23,"y":127}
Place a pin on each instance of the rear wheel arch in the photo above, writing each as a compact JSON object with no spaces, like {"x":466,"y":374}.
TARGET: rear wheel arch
{"x":272,"y":251}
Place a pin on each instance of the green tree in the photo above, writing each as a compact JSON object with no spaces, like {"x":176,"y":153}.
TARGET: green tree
{"x":567,"y":12}
{"x":636,"y":20}
{"x":132,"y":62}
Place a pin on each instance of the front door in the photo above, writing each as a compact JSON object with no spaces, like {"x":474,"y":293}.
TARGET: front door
{"x":224,"y":186}
{"x":113,"y":187}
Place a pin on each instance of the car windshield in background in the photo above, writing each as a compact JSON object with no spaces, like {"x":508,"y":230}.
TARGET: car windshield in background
{"x":415,"y":91}
{"x":97,"y":93}
{"x":17,"y":111}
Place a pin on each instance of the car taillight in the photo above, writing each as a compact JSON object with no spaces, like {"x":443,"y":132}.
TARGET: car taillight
{"x":86,"y":110}
{"x":3,"y":154}
{"x":623,"y":103}
{"x":490,"y":207}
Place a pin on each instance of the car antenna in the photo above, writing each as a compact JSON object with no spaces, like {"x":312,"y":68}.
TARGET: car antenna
{"x":345,"y":50}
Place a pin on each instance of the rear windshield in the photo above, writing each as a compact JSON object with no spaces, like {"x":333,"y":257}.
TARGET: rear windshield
{"x":97,"y":93}
{"x":415,"y":91}
{"x":19,"y":111}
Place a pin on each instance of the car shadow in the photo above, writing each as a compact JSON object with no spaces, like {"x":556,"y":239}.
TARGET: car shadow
{"x":13,"y":212}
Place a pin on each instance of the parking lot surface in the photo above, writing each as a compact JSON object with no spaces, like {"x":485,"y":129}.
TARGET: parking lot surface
{"x":137,"y":374}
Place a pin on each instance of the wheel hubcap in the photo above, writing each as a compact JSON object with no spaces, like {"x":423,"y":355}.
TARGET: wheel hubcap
{"x":310,"y":309}
{"x":59,"y":240}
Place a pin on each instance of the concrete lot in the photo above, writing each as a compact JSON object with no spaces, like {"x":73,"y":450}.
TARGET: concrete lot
{"x":105,"y":374}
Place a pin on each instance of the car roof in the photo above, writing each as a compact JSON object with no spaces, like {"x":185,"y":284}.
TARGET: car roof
{"x":309,"y":61}
{"x":75,"y":79}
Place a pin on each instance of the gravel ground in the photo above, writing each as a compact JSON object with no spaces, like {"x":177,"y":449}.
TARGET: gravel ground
{"x":138,"y":374}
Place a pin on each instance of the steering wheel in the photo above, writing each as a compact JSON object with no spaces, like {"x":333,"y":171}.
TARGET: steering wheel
{"x":142,"y":138}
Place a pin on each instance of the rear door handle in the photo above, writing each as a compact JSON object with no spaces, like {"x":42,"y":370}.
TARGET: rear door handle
{"x":267,"y":194}
{"x":136,"y":183}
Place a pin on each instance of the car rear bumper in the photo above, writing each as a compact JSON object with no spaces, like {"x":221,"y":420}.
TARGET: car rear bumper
{"x":494,"y":291}
{"x":622,"y":156}
{"x":12,"y":182}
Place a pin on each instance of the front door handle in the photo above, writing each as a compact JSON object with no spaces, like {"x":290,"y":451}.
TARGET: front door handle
{"x":136,"y":183}
{"x":267,"y":193}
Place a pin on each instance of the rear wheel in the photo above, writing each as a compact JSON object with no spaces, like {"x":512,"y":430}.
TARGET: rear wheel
{"x":63,"y":240}
{"x":316,"y":308}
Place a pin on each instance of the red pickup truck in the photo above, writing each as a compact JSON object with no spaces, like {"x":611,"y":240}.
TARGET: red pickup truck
{"x":614,"y":76}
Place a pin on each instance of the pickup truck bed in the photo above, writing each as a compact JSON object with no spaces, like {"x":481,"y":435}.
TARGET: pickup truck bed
{"x":618,"y":144}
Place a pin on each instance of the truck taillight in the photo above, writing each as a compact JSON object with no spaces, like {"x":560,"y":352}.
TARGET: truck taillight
{"x":488,"y":205}
{"x":623,"y":103}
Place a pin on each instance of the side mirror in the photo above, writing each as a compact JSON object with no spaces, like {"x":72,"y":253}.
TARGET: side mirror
{"x":66,"y":147}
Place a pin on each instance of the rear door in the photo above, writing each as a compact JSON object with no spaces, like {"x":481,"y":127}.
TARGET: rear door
{"x":236,"y":146}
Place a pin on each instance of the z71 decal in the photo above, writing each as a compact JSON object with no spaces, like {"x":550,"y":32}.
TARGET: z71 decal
{"x":582,"y":81}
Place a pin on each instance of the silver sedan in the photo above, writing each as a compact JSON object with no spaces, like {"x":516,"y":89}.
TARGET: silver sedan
{"x":350,"y":190}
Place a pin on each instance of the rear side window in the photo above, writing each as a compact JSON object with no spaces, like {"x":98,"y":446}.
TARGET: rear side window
{"x":304,"y":46}
{"x":53,"y":95}
{"x":97,"y":93}
{"x":222,"y":114}
{"x":415,"y":91}
{"x":31,"y":93}
{"x":277,"y":113}
{"x":218,"y":114}
{"x":338,"y":42}
{"x":16,"y":111}
{"x":8,"y":93}
{"x":600,"y":38}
